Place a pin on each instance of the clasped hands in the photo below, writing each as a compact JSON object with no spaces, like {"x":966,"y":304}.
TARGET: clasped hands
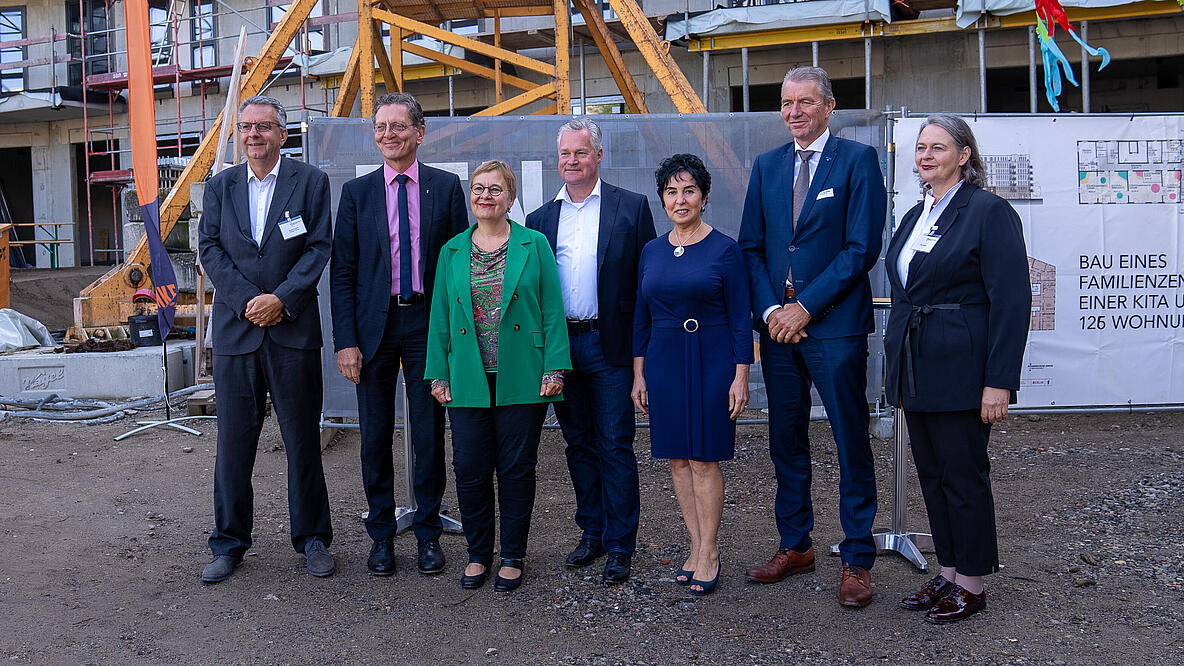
{"x":443,"y":392}
{"x":264,"y":310}
{"x":787,"y":324}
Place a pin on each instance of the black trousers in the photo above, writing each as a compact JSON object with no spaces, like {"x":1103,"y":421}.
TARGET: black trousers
{"x":404,"y":341}
{"x":950,"y":451}
{"x":293,"y":377}
{"x":506,"y":440}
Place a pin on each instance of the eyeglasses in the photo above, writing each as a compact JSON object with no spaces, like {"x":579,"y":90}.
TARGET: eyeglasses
{"x":263,"y":127}
{"x":394,"y":128}
{"x":493,"y":190}
{"x":806,"y":104}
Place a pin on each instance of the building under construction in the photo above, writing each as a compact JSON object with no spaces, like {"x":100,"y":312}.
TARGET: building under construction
{"x":65,"y":157}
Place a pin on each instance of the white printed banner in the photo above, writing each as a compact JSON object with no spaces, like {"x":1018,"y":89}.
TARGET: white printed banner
{"x":1100,"y":198}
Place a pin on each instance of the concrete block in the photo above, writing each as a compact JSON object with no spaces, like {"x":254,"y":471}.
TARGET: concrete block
{"x":37,"y":373}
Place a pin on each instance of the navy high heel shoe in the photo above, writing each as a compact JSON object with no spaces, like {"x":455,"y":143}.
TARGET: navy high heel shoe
{"x":683,"y":572}
{"x":706,"y":586}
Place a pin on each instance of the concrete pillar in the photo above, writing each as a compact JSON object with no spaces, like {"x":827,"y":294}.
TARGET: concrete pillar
{"x":54,"y":194}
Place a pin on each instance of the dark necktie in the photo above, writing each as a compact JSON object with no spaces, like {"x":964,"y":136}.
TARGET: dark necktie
{"x":801,"y":185}
{"x":405,"y":290}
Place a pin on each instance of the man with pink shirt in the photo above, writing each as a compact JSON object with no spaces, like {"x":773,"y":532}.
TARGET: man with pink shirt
{"x":391,"y":224}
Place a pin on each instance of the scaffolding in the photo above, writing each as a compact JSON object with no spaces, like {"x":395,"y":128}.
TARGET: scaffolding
{"x":108,"y":300}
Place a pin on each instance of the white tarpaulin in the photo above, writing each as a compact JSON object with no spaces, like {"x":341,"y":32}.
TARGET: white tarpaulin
{"x":777,"y":17}
{"x":970,"y":10}
{"x":18,"y":331}
{"x":1100,"y":199}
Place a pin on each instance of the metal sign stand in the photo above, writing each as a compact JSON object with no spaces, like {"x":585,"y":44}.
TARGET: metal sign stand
{"x":896,"y":539}
{"x":405,"y":515}
{"x":168,"y":421}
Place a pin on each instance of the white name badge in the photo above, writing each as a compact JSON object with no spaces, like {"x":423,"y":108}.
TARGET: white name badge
{"x":826,"y":194}
{"x":291,"y":227}
{"x":926,"y":243}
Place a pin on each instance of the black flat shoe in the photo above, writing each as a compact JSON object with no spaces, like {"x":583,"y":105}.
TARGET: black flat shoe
{"x":509,"y":584}
{"x":473,"y":582}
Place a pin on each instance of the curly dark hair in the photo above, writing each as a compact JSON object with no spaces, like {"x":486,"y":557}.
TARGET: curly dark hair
{"x":683,"y":163}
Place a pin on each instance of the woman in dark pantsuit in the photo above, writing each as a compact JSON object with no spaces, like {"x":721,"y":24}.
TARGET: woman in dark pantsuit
{"x":497,"y":349}
{"x":961,"y":305}
{"x":692,"y":344}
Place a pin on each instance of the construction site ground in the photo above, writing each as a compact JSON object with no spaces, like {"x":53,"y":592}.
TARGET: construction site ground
{"x":104,"y":542}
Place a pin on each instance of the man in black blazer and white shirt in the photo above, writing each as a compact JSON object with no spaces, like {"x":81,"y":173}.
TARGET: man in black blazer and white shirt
{"x":264,"y":240}
{"x":597,"y":231}
{"x":391,"y":224}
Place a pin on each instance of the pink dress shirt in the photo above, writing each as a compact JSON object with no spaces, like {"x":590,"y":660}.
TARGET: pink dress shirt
{"x":392,"y":223}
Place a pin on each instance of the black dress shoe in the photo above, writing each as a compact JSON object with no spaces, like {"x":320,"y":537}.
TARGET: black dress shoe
{"x":382,"y":558}
{"x":431,"y":557}
{"x":473,"y":582}
{"x":509,"y":584}
{"x":584,"y":554}
{"x":957,"y":604}
{"x":616,"y":569}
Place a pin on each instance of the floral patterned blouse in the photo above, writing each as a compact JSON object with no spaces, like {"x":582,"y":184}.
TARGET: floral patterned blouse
{"x":487,"y":270}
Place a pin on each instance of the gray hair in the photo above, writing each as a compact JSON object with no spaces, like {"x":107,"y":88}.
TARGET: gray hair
{"x":403,"y":99}
{"x":579,"y":125}
{"x":815,"y":74}
{"x":263,"y":100}
{"x":973,"y":171}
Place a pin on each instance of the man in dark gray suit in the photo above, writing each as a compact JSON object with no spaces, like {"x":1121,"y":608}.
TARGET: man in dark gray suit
{"x":265,"y":238}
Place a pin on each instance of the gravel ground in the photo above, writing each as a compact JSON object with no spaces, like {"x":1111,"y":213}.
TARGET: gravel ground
{"x":106,"y":540}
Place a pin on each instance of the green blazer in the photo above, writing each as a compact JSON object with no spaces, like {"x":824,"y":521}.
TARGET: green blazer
{"x":532,"y":337}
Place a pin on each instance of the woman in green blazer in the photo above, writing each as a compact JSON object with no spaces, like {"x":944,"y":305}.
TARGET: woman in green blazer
{"x":497,"y":349}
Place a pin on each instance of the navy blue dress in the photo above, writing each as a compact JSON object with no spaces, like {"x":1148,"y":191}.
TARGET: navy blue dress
{"x":689,"y":369}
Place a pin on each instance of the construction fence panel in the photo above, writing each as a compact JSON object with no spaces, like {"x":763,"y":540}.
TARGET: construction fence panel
{"x":633,"y":145}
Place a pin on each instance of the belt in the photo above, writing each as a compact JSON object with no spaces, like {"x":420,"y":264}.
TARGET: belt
{"x":919,"y":311}
{"x":790,"y":294}
{"x":575,"y":326}
{"x":416,"y":299}
{"x":691,"y":325}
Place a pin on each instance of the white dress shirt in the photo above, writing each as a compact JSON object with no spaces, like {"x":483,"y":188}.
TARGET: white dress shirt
{"x":930,"y":214}
{"x":575,"y":252}
{"x":259,"y":199}
{"x":817,"y":145}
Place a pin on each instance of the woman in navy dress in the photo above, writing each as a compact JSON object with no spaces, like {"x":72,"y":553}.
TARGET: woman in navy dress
{"x":692,"y":343}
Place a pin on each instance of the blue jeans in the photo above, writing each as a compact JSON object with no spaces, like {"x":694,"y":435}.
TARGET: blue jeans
{"x":838,"y":368}
{"x":596,"y":416}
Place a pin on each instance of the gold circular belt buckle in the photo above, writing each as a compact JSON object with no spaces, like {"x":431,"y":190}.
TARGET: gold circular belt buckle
{"x":686,"y":325}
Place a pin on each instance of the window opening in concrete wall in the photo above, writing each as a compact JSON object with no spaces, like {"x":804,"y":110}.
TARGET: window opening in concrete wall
{"x":12,"y":28}
{"x":97,"y":24}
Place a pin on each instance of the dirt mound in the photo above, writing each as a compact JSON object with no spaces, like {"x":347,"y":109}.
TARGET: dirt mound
{"x":47,"y":294}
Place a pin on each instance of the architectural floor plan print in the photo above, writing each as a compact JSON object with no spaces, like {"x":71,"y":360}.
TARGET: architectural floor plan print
{"x":1142,"y":171}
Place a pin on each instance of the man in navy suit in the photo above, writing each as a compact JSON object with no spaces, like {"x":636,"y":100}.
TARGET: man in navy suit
{"x":391,"y":224}
{"x":811,"y":230}
{"x":597,"y":231}
{"x":264,"y":241}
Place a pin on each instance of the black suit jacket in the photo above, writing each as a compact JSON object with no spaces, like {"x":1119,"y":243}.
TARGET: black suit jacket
{"x":981,"y":265}
{"x":626,"y":225}
{"x":288,"y":268}
{"x":360,"y":275}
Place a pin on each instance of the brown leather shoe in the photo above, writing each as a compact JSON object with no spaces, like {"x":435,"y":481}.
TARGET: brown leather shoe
{"x":956,"y":605}
{"x":785,"y":563}
{"x":926,"y":597}
{"x":855,"y":590}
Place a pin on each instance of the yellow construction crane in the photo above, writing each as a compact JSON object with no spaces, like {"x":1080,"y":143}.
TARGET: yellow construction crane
{"x":108,"y":301}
